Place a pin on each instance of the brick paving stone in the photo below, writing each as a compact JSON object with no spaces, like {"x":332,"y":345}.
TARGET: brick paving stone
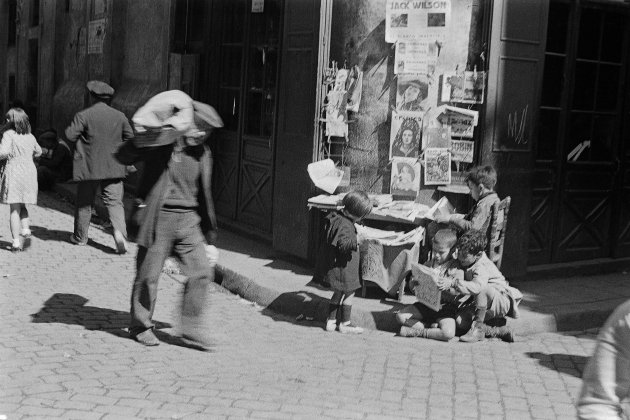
{"x":63,"y":347}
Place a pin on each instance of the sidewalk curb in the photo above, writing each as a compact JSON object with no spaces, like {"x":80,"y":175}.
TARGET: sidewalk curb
{"x":301,"y":303}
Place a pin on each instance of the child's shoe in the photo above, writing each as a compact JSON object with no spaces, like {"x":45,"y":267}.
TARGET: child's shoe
{"x":505,"y":333}
{"x":16,"y":246}
{"x":331,"y":325}
{"x":476,"y":333}
{"x":349,"y":328}
{"x":26,"y":233}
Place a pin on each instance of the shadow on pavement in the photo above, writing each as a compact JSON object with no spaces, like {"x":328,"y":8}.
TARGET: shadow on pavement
{"x":46,"y":234}
{"x":300,"y":308}
{"x":564,"y":363}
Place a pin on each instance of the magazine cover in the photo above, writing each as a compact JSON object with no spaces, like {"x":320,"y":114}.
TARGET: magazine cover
{"x":437,"y":166}
{"x":405,"y":179}
{"x":405,"y":137}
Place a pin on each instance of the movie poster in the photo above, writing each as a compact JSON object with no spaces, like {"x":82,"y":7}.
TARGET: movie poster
{"x":411,"y":92}
{"x":409,"y":19}
{"x":405,"y":135}
{"x":405,"y":180}
{"x":437,"y":166}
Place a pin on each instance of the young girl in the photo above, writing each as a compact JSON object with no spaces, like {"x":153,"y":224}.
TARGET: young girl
{"x":18,"y":180}
{"x":339,"y":260}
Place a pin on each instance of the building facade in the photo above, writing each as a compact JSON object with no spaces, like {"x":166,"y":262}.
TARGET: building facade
{"x":557,"y":82}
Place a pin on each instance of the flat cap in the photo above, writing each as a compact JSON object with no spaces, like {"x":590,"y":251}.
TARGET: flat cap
{"x":100,"y":89}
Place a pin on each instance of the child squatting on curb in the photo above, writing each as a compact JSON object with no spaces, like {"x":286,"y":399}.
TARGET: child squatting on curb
{"x":338,"y":260}
{"x":472,"y":286}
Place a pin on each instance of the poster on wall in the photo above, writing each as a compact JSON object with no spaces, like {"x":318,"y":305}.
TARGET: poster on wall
{"x":464,"y":87}
{"x":416,"y":56}
{"x":405,"y":135}
{"x":436,"y":136}
{"x":462,"y":150}
{"x":96,"y":36}
{"x":411,"y":92}
{"x":405,"y":180}
{"x":409,"y":19}
{"x":437,"y":166}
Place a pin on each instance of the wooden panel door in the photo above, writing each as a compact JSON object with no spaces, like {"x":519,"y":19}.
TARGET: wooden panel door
{"x":246,"y":89}
{"x":578,"y":209}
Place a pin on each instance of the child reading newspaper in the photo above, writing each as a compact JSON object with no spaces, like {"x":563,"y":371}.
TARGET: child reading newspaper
{"x":435,"y":314}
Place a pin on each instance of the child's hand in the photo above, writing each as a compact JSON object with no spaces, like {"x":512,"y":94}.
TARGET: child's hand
{"x":212,"y":253}
{"x":442,"y":218}
{"x":444,"y":283}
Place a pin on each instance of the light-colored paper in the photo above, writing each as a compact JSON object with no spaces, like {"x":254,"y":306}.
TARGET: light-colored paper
{"x":405,"y":134}
{"x":408,"y":19}
{"x":325,"y":175}
{"x":416,"y":56}
{"x":405,"y":179}
{"x":427,"y":291}
{"x":462,"y":150}
{"x":466,"y":87}
{"x":437,"y":166}
{"x":442,"y":207}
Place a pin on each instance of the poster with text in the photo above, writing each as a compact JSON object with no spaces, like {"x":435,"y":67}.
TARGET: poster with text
{"x":405,"y":135}
{"x":462,"y":150}
{"x":405,"y":180}
{"x":408,"y":19}
{"x":437,"y":166}
{"x":416,"y":55}
{"x":96,"y":36}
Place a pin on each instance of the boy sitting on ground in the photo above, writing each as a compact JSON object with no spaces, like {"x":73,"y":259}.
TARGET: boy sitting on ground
{"x":493,"y":297}
{"x":417,"y":320}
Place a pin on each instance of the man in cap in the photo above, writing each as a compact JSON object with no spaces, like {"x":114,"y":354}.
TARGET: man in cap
{"x":97,"y":132}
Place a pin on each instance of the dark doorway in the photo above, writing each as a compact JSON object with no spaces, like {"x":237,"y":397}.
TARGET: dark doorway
{"x":581,"y":187}
{"x":245,"y":79}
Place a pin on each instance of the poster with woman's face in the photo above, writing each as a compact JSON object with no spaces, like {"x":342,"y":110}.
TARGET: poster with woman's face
{"x":406,"y":134}
{"x":405,"y":179}
{"x":411,"y":92}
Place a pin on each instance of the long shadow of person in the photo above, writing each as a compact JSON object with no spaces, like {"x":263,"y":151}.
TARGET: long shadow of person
{"x":570,"y":364}
{"x":68,"y":308}
{"x":46,"y":234}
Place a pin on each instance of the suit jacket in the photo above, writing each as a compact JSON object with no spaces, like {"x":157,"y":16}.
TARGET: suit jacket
{"x":152,"y":184}
{"x":97,"y":132}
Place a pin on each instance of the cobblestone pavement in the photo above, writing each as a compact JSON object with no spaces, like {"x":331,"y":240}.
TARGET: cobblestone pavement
{"x":64,"y":353}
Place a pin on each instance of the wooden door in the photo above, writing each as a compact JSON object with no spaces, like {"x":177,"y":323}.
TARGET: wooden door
{"x":578,"y":210}
{"x":246,"y":87}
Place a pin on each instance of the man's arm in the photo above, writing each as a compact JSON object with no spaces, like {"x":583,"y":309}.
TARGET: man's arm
{"x":127,"y":153}
{"x":127,"y":132}
{"x":77,"y":128}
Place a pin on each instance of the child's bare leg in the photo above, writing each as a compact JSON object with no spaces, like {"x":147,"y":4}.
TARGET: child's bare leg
{"x":444,"y":332}
{"x":345,"y":326}
{"x":482,"y":302}
{"x":14,"y":222}
{"x":24,"y":221}
{"x":410,"y":316}
{"x":333,"y":309}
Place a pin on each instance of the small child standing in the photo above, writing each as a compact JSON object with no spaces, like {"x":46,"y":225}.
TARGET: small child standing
{"x":493,"y":296}
{"x":416,"y":320}
{"x":18,"y":180}
{"x":338,"y":260}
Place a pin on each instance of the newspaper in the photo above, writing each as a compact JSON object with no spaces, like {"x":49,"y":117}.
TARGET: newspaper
{"x":443,"y":207}
{"x":427,"y":291}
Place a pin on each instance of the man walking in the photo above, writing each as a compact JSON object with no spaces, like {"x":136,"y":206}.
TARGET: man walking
{"x":97,"y":132}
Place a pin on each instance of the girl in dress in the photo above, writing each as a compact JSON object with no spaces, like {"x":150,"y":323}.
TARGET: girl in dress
{"x":18,"y":180}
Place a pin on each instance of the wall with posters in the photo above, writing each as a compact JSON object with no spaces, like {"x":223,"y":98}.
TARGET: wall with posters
{"x":408,"y":56}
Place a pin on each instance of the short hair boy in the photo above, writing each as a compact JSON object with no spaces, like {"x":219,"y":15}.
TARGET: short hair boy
{"x":417,"y":320}
{"x":481,"y":181}
{"x":493,"y":296}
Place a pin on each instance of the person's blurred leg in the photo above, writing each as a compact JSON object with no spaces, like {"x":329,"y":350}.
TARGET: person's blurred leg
{"x":86,"y":191}
{"x":112,"y":191}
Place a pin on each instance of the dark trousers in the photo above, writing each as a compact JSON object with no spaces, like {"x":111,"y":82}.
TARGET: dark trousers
{"x":112,"y":193}
{"x":179,"y":232}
